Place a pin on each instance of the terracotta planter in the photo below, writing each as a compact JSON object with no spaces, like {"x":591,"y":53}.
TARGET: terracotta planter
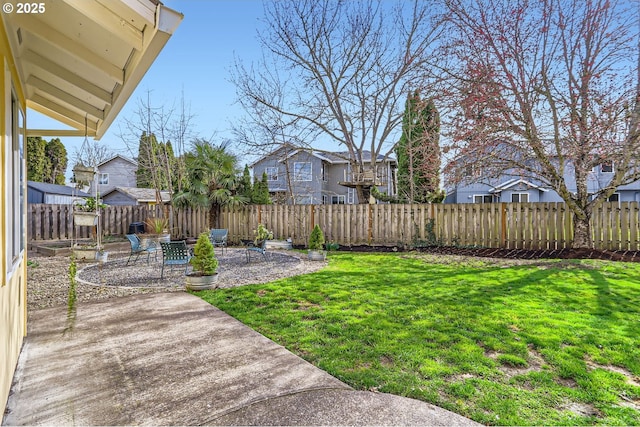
{"x":201,"y":283}
{"x":85,"y":218}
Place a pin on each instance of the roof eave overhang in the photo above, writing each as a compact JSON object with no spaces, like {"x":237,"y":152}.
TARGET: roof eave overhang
{"x":80,"y":62}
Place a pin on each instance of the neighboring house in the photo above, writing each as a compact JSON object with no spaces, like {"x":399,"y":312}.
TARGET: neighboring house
{"x":118,"y":171}
{"x":78,"y":63}
{"x":41,"y":192}
{"x":474,"y":188}
{"x":313,"y":177}
{"x":133,"y":196}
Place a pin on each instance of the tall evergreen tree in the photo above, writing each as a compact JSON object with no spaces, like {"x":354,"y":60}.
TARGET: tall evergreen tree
{"x":152,"y":163}
{"x":245,"y":188}
{"x":56,"y":154}
{"x":36,"y":158}
{"x":418,"y":152}
{"x":260,"y":195}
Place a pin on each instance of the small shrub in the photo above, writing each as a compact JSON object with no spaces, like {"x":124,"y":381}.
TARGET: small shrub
{"x":262,"y":233}
{"x":316,"y":239}
{"x":204,"y":260}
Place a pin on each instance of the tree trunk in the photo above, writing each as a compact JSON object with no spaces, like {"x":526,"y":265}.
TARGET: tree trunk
{"x":582,"y":232}
{"x":364,"y":194}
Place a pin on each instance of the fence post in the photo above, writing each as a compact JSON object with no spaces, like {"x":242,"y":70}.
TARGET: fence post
{"x":503,"y":225}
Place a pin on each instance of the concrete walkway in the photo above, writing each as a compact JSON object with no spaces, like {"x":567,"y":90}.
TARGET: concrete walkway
{"x":173,"y":359}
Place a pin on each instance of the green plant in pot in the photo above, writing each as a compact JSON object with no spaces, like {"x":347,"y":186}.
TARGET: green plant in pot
{"x":87,"y":213}
{"x":205,"y":266}
{"x":156,"y":231}
{"x":261,"y":234}
{"x":316,"y":245}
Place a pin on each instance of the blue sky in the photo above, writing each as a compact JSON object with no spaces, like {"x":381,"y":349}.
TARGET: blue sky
{"x":196,"y":60}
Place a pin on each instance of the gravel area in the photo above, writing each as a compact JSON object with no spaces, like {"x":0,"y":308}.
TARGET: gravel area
{"x":48,"y":277}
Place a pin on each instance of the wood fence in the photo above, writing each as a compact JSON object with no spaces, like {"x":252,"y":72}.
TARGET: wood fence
{"x":615,"y":226}
{"x":55,"y":222}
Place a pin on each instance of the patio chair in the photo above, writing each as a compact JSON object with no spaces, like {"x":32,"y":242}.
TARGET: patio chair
{"x":259,"y":247}
{"x":175,"y":253}
{"x":137,"y":248}
{"x":218,"y":237}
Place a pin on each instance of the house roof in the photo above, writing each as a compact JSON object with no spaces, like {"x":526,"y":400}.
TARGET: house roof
{"x":62,"y":190}
{"x":144,"y":195}
{"x":333,"y":157}
{"x":133,"y":162}
{"x":80,"y":60}
{"x":513,"y":182}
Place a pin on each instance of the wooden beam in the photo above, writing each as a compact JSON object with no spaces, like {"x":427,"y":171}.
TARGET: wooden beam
{"x":78,"y":51}
{"x":110,"y":21}
{"x":67,"y":75}
{"x":65,"y":97}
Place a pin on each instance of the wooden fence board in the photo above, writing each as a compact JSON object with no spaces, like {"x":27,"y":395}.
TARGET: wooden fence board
{"x":509,"y":225}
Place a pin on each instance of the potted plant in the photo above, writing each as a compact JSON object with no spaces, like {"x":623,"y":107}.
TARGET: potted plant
{"x":156,"y":230}
{"x":261,"y":234}
{"x":87,"y":213}
{"x":205,"y":265}
{"x":316,"y":245}
{"x":83,"y":174}
{"x":86,"y":252}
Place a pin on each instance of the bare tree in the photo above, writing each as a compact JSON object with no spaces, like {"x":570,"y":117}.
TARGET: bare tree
{"x":546,"y":90}
{"x":340,"y":70}
{"x":172,"y":128}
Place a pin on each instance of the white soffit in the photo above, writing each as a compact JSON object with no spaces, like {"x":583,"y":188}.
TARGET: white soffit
{"x":82,"y":59}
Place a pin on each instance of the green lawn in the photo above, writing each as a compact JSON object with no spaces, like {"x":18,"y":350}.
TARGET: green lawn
{"x":547,"y":343}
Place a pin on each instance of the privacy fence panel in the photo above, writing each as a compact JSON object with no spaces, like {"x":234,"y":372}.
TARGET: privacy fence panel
{"x":55,"y":222}
{"x":614,"y":226}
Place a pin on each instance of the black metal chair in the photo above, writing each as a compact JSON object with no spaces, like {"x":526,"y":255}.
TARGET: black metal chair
{"x":137,"y":248}
{"x":175,"y":253}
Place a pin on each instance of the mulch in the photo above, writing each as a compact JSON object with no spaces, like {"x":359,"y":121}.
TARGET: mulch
{"x":625,"y":256}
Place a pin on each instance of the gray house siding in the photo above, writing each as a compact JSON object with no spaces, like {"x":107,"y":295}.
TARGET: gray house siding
{"x":118,"y":199}
{"x":326,"y":173}
{"x":597,"y":180}
{"x":121,"y":172}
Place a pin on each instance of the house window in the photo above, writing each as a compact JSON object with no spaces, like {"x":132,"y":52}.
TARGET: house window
{"x":303,"y":199}
{"x":15,"y":179}
{"x":351,"y":196}
{"x":338,"y":200}
{"x":482,"y":198}
{"x":103,"y":179}
{"x":606,"y":167}
{"x":272,"y":173}
{"x":520,"y":197}
{"x":615,"y":197}
{"x":302,"y":171}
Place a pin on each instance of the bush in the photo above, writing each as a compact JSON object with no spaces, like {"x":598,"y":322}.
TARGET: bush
{"x":316,"y":239}
{"x":204,"y":259}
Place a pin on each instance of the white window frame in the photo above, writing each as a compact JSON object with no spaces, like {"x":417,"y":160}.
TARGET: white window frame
{"x":271,"y":175}
{"x":614,"y":201}
{"x":519,"y":197}
{"x":102,"y":180}
{"x":335,"y":200}
{"x":608,"y":164}
{"x":483,"y":198}
{"x":351,"y":196}
{"x":297,"y":171}
{"x":14,"y":178}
